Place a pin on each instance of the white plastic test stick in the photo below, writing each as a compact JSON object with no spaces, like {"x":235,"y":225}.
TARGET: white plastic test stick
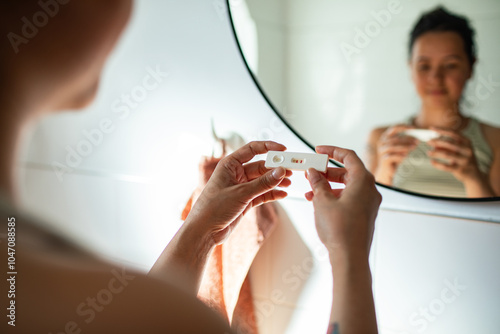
{"x":297,"y":161}
{"x":422,"y":134}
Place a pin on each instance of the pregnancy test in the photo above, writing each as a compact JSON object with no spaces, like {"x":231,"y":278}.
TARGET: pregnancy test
{"x":422,"y":134}
{"x":296,"y":161}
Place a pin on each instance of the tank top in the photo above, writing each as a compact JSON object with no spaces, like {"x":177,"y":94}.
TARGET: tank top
{"x":417,"y":174}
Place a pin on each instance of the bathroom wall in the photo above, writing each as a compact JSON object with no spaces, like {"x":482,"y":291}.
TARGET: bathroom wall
{"x":116,"y":177}
{"x":430,"y":275}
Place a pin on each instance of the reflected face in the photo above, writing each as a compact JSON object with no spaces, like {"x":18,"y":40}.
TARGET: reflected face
{"x":440,"y":68}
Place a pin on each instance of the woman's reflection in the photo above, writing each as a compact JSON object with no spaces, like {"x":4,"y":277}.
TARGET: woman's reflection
{"x":439,"y":151}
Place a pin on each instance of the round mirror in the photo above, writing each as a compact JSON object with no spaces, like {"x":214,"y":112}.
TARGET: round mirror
{"x":424,"y":120}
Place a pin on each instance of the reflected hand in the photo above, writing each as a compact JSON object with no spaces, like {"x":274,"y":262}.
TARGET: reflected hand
{"x":235,"y":187}
{"x":392,"y":149}
{"x":344,"y":218}
{"x":453,"y":152}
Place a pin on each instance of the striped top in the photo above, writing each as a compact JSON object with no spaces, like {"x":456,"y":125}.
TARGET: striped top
{"x":417,"y":174}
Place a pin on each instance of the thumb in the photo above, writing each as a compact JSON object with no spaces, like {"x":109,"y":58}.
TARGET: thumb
{"x":264,"y":183}
{"x":318,"y":182}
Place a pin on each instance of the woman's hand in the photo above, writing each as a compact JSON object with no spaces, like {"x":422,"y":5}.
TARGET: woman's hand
{"x":392,"y":148}
{"x":236,"y":186}
{"x":344,"y":218}
{"x":345,"y":223}
{"x":453,"y":152}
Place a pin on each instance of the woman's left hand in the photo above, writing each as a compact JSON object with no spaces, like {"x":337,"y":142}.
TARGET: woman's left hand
{"x":236,"y":186}
{"x":452,"y":152}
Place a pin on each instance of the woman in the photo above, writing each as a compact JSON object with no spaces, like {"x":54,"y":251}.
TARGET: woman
{"x":56,"y":287}
{"x":464,"y":159}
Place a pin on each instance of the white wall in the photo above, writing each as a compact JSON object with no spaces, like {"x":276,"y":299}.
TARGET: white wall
{"x":415,"y":259}
{"x":271,"y":21}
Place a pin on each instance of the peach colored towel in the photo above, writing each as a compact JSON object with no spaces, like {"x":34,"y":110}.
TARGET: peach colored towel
{"x":226,"y":284}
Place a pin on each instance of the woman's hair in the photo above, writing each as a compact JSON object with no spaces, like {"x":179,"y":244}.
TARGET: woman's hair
{"x":440,"y":20}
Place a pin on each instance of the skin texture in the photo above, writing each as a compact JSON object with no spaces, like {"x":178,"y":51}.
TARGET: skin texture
{"x":440,"y":70}
{"x":60,"y":69}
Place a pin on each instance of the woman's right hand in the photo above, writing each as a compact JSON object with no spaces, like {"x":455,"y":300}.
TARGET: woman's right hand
{"x":345,"y":221}
{"x":391,"y":149}
{"x":344,"y":217}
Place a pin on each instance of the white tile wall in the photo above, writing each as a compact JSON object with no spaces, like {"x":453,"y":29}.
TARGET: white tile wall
{"x":414,"y":258}
{"x":417,"y":255}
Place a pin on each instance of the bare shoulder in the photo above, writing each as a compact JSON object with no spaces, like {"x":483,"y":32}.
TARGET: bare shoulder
{"x":105,"y":300}
{"x":376,"y":133}
{"x":492,"y":135}
{"x":58,"y":288}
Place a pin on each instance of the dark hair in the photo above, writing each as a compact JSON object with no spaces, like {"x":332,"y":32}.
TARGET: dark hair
{"x":441,"y":20}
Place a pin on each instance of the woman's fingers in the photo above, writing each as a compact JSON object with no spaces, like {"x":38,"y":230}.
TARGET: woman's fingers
{"x":250,"y":150}
{"x":453,"y":135}
{"x":394,"y":158}
{"x":449,"y":157}
{"x":336,"y":192}
{"x":336,"y":174}
{"x":256,"y":169}
{"x":270,"y":196}
{"x":309,"y":195}
{"x":285,"y":183}
{"x":262,"y":184}
{"x":443,"y":166}
{"x":400,"y":141}
{"x":395,"y":131}
{"x":318,"y":182}
{"x":394,"y":150}
{"x":441,"y":145}
{"x":347,"y":157}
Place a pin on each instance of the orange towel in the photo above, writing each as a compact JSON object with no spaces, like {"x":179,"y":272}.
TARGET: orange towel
{"x":226,"y":285}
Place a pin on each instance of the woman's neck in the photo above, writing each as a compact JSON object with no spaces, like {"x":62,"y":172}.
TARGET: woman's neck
{"x":448,"y":118}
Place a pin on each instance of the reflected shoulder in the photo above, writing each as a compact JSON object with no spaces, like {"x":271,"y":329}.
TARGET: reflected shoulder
{"x":492,"y":135}
{"x":376,"y":133}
